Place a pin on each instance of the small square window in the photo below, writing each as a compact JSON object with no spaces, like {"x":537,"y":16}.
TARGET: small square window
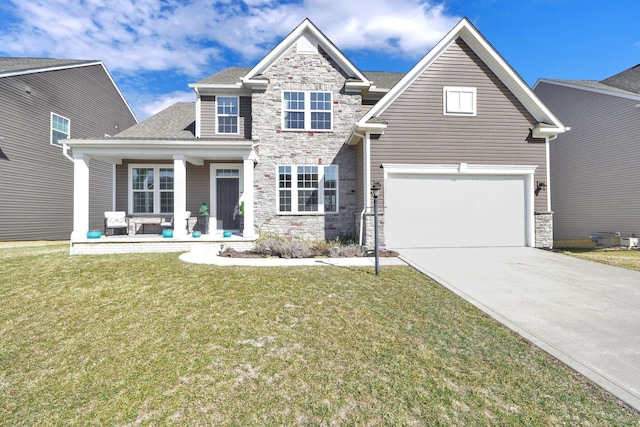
{"x":459,"y":101}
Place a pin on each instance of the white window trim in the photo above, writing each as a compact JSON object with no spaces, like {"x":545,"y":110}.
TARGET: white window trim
{"x":307,"y":111}
{"x":156,"y":190}
{"x":294,"y":191}
{"x":447,"y":111}
{"x":228,"y":115}
{"x":51,"y":129}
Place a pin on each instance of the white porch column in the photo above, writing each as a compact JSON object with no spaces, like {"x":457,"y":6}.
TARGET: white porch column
{"x":247,"y":198}
{"x":179,"y":196}
{"x":80,"y":196}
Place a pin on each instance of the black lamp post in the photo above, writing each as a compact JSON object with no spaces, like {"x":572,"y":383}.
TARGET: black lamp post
{"x":375,"y":192}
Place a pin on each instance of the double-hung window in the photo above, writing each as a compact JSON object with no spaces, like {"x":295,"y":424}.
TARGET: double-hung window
{"x":227,"y":114}
{"x":305,"y":110}
{"x":150,"y":189}
{"x":303,"y":189}
{"x":59,"y":129}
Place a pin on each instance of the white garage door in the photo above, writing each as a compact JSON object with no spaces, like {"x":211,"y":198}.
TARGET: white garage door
{"x":454,"y":210}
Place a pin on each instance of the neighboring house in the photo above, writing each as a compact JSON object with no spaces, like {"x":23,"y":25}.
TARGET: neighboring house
{"x":295,"y":143}
{"x":594,"y":168}
{"x":42,"y":103}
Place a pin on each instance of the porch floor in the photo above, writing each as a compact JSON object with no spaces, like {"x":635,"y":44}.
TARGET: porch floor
{"x":139,"y":243}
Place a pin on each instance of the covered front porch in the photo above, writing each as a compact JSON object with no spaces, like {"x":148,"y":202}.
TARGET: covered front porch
{"x":167,"y":178}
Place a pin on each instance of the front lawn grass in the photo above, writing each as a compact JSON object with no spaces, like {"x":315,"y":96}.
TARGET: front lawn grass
{"x":145,"y":339}
{"x":624,"y":258}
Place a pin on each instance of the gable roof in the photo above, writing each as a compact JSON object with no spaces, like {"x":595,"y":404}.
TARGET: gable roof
{"x":306,"y":28}
{"x":10,"y":66}
{"x":625,"y":84}
{"x":548,"y":123}
{"x":243,"y":78}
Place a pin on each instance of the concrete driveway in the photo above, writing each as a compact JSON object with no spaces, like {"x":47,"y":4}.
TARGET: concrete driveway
{"x":583,"y":313}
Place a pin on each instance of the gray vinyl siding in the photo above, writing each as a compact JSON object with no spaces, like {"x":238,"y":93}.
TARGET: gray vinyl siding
{"x":419,"y":133}
{"x":594,"y":166}
{"x":208,"y":118}
{"x":198,"y":184}
{"x":36,"y":201}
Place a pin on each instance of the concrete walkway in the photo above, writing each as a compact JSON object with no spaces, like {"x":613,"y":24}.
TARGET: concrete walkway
{"x":211,"y":257}
{"x":585,"y":314}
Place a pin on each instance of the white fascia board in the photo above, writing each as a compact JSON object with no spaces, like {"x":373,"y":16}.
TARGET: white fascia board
{"x":195,"y":152}
{"x":69,"y":66}
{"x":104,"y":67}
{"x":221,"y":89}
{"x":490,"y":56}
{"x":282,"y":48}
{"x":457,"y":169}
{"x":509,"y":76}
{"x":45,"y":69}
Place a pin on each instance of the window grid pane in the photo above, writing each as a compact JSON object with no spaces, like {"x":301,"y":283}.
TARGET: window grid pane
{"x":228,"y":172}
{"x":307,"y":200}
{"x":166,"y":201}
{"x":227,"y":114}
{"x":330,"y":201}
{"x":59,"y":129}
{"x":284,"y":177}
{"x":143,"y":202}
{"x":142,"y":178}
{"x":285,"y":200}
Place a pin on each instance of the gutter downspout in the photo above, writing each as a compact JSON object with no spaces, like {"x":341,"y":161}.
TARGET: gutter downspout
{"x":65,"y":152}
{"x":365,"y":147}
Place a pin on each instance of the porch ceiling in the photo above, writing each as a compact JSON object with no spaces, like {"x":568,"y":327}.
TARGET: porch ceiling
{"x":194,"y":151}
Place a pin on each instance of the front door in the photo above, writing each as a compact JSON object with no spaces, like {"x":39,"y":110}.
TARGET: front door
{"x":227,"y":198}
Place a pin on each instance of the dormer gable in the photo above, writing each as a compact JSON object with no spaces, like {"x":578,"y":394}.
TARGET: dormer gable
{"x":308,"y":39}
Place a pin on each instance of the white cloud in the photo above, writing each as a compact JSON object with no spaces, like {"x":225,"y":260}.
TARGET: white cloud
{"x":161,"y":102}
{"x":130,"y":35}
{"x":195,"y":38}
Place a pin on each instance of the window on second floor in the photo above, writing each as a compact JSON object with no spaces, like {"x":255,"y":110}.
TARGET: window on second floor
{"x":307,"y":110}
{"x":459,"y":101}
{"x":227,"y":114}
{"x":59,"y":129}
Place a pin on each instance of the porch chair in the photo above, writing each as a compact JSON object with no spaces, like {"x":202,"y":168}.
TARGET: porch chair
{"x":166,"y":225}
{"x":116,"y":220}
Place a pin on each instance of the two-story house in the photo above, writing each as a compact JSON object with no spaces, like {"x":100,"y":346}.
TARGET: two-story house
{"x":593,"y":167}
{"x":43,"y":102}
{"x":294,"y":143}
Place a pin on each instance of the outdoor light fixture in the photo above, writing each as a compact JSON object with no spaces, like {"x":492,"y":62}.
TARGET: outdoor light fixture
{"x":375,"y":192}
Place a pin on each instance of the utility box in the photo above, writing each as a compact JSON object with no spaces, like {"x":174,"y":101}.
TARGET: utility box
{"x":606,"y":238}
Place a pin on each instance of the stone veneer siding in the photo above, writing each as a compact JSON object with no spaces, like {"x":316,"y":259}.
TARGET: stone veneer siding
{"x":544,"y":229}
{"x":312,"y":72}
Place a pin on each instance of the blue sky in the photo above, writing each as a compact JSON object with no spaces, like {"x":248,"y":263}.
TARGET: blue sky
{"x":155,"y":48}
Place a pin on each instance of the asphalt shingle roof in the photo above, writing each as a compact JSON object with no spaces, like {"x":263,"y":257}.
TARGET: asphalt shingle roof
{"x":175,"y":122}
{"x":227,"y":76}
{"x":384,"y":79}
{"x":628,"y":80}
{"x":13,"y":65}
{"x":232,"y":75}
{"x":594,"y":84}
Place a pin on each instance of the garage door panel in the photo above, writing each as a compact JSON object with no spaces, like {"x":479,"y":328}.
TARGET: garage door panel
{"x":453,"y":211}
